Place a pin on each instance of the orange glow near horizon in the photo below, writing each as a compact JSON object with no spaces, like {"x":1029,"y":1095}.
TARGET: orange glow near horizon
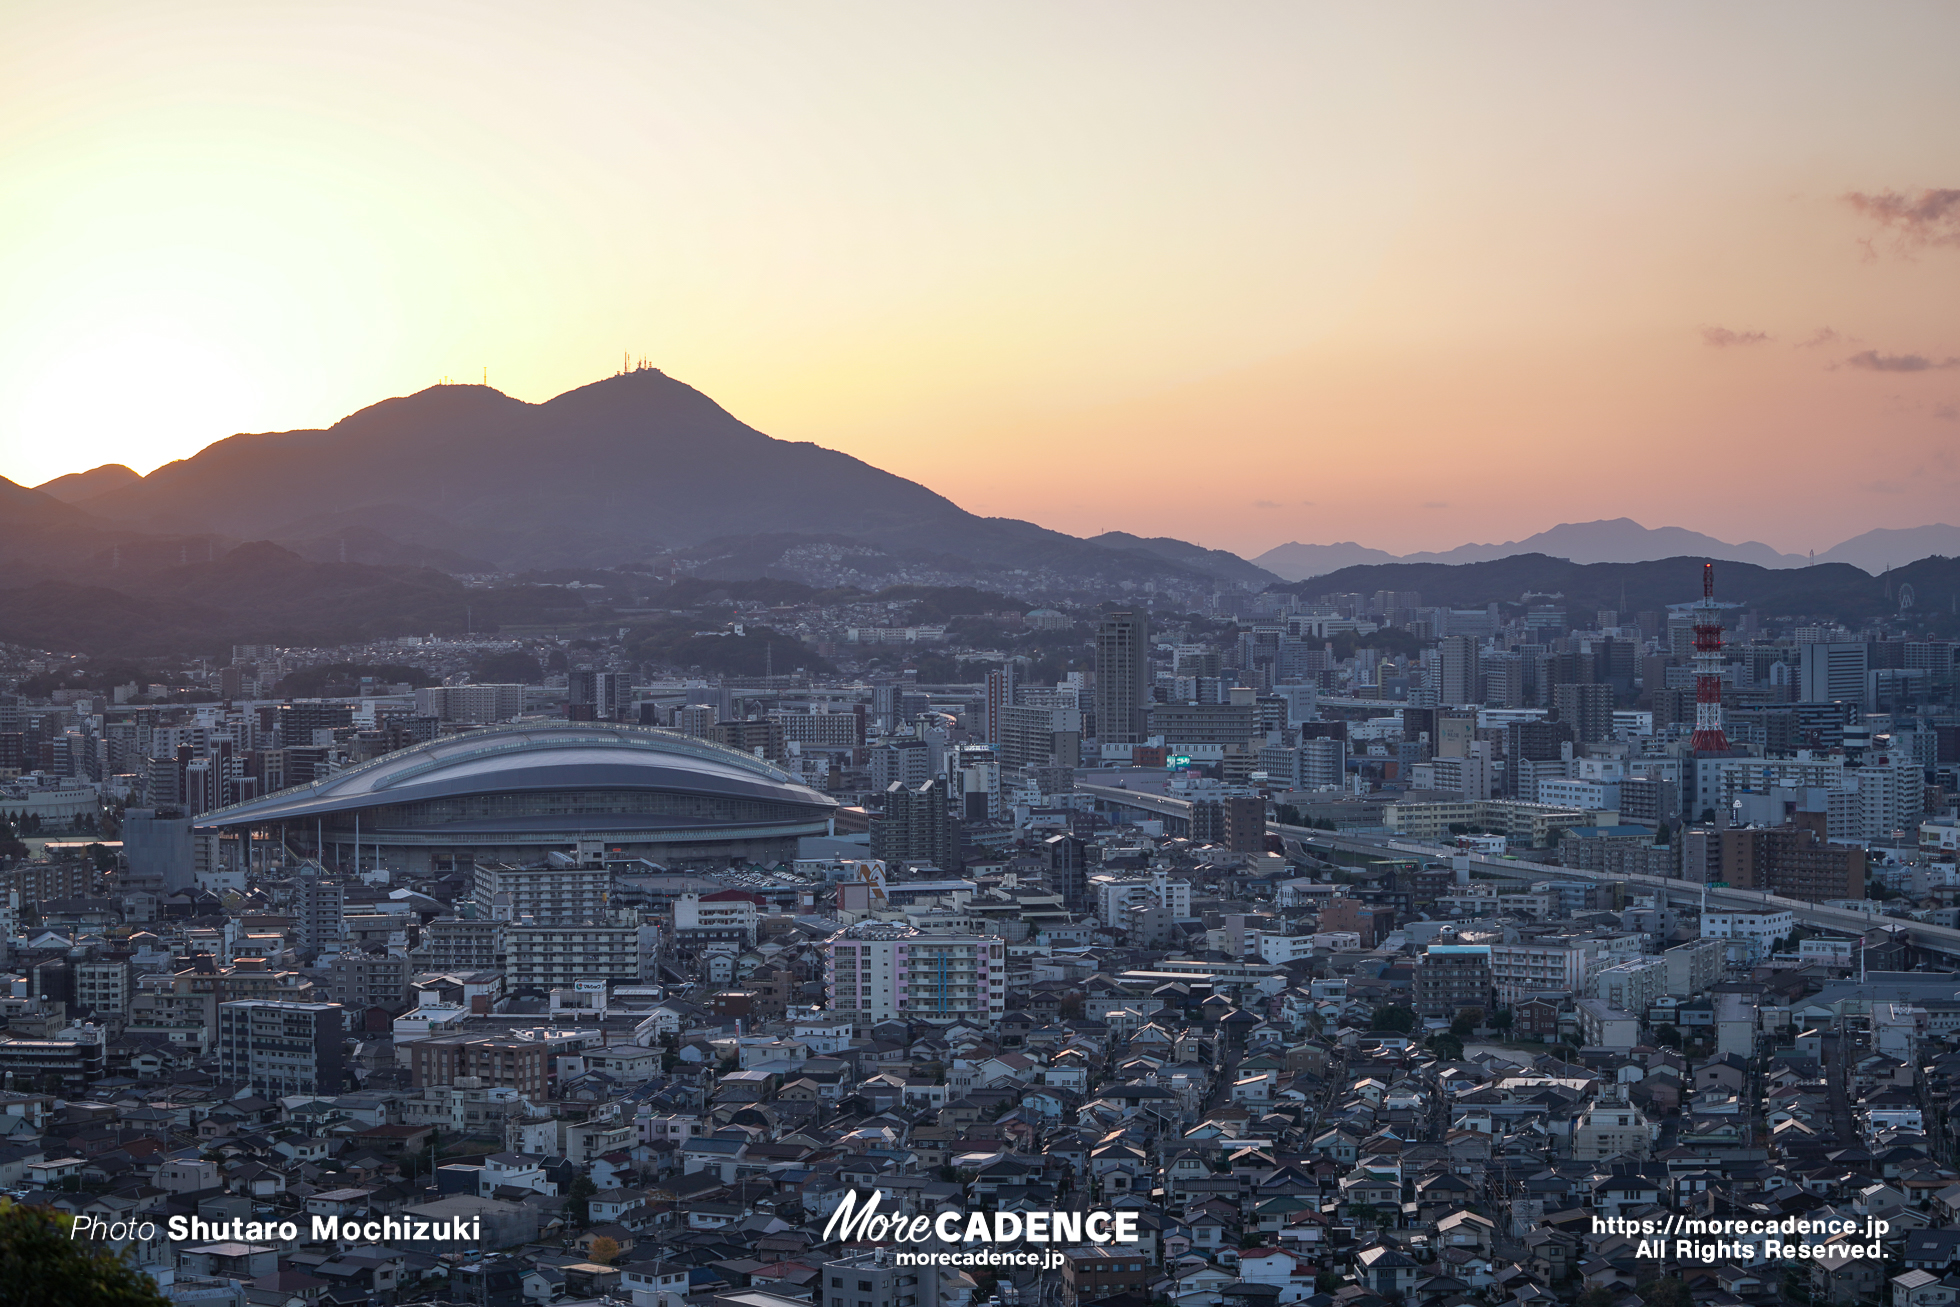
{"x":1276,"y":272}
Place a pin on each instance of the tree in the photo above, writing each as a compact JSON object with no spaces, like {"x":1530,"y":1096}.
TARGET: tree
{"x":1503,"y":1019}
{"x":1466,"y":1022}
{"x":1667,"y":1036}
{"x":1399,"y":1020}
{"x":1597,"y":1296}
{"x":1668,"y":1291}
{"x":41,"y":1263}
{"x":1446,"y":1046}
{"x":580,"y":1193}
{"x":603,"y":1250}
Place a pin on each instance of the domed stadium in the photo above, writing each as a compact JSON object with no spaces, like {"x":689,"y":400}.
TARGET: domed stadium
{"x":518,"y":793}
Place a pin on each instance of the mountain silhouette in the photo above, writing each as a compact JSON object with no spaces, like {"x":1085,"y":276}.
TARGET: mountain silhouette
{"x":84,"y":485}
{"x":629,"y":467}
{"x":1612,"y":540}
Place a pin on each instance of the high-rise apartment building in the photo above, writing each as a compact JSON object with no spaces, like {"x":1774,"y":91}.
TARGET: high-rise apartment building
{"x":1586,"y":707}
{"x":280,"y":1048}
{"x":556,"y":957}
{"x":1460,"y":668}
{"x":880,"y":970}
{"x":476,"y":704}
{"x":1450,"y":978}
{"x":1793,"y":861}
{"x":918,"y":825}
{"x":1122,"y":678}
{"x":1000,"y":695}
{"x":560,"y":891}
{"x":603,"y":696}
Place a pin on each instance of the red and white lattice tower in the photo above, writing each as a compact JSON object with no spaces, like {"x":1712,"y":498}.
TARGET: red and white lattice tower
{"x":1708,"y":737}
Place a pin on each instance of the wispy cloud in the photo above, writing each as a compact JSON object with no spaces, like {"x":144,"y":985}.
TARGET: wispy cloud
{"x":1722,"y":337}
{"x":1264,"y":503}
{"x":1947,"y":412}
{"x":1929,"y":217}
{"x":1873,"y":361}
{"x":1821,"y":336}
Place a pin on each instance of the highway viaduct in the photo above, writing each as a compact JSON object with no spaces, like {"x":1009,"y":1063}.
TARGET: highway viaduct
{"x":1942,"y":940}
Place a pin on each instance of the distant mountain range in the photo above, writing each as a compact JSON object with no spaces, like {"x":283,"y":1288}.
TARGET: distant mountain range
{"x":1829,"y":591}
{"x":1623,"y":540}
{"x":364,"y":528}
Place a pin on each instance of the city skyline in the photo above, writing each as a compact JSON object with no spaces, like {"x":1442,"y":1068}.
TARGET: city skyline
{"x":1412,"y":280}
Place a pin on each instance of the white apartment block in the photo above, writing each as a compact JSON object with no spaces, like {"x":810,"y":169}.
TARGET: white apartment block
{"x":548,"y":895}
{"x":555,"y":957}
{"x":476,"y":704}
{"x":1631,"y":986}
{"x":722,"y":918}
{"x":1756,"y":932}
{"x":1521,"y":970}
{"x":1116,"y":895}
{"x":880,"y":971}
{"x":1692,"y":967}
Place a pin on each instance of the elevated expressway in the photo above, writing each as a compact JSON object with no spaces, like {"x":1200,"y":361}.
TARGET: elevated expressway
{"x":1936,"y":939}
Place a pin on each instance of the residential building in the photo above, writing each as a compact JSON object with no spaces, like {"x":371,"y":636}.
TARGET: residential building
{"x":281,"y":1048}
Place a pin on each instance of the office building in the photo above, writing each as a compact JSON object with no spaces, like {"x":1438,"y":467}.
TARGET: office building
{"x":1833,"y":671}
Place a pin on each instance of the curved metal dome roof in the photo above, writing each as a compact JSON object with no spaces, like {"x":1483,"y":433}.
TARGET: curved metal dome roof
{"x":517,"y":759}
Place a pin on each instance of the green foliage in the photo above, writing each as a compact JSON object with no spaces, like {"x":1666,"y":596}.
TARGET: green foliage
{"x":1466,"y":1022}
{"x":1503,"y":1019}
{"x":579,"y":1193}
{"x":1396,"y":1019}
{"x":676,"y":642}
{"x":1667,"y":1036}
{"x":1668,"y":1291}
{"x":695,"y":591}
{"x":508,"y":667}
{"x":934,"y":604}
{"x":309,"y":682}
{"x":40,"y":1264}
{"x":10,"y":841}
{"x":1446,"y":1046}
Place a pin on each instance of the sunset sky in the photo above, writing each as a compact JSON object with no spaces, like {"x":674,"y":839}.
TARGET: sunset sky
{"x":1409,"y":275}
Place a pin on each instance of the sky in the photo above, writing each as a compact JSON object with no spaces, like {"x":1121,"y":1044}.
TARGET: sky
{"x":1408,"y":275}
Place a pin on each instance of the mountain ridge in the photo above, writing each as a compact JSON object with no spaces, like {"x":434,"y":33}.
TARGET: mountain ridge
{"x":1623,"y":540}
